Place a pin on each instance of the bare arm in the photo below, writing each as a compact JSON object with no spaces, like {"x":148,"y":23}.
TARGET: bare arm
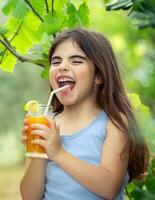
{"x":32,"y":184}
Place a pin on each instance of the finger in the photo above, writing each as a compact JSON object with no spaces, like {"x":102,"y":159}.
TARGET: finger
{"x":40,"y":126}
{"x":23,"y":140}
{"x":40,"y":142}
{"x":24,"y":130}
{"x":49,"y":119}
{"x":54,"y":128}
{"x":40,"y":133}
{"x":27,"y":115}
{"x":25,"y":121}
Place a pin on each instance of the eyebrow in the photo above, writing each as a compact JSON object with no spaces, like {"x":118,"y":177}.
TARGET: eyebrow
{"x":77,"y":56}
{"x":71,"y":57}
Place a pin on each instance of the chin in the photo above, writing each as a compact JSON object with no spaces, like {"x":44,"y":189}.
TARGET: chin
{"x":67,"y":103}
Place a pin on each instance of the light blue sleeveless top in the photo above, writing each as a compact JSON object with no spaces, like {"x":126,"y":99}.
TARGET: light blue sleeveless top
{"x":86,"y":145}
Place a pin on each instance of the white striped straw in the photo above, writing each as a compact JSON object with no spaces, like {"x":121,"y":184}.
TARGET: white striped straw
{"x":51,"y":96}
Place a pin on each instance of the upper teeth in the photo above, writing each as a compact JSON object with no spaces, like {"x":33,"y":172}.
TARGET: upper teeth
{"x":63,"y":79}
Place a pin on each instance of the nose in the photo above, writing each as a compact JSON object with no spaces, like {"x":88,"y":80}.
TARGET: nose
{"x":64,"y":67}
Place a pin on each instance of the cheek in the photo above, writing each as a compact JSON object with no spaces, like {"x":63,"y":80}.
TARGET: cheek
{"x":82,"y":72}
{"x":86,"y":74}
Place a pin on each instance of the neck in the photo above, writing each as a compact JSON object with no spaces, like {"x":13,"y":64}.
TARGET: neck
{"x":77,"y":116}
{"x":82,"y":110}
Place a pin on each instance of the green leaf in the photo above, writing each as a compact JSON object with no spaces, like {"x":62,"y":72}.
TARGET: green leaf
{"x":141,"y":194}
{"x":138,"y":106}
{"x":20,"y":9}
{"x":131,"y":186}
{"x":45,"y":42}
{"x":138,"y":194}
{"x":135,"y":100}
{"x":77,"y":17}
{"x":28,"y":35}
{"x":17,"y":7}
{"x":83,"y":13}
{"x":139,"y":15}
{"x":3,"y":30}
{"x":45,"y":72}
{"x":60,"y":4}
{"x":12,"y":25}
{"x":153,"y":165}
{"x":150,"y":183}
{"x":1,"y":53}
{"x":8,"y":63}
{"x":153,"y":162}
{"x":52,"y":23}
{"x":145,"y":110}
{"x":39,"y":6}
{"x":34,"y":55}
{"x":72,"y":15}
{"x":139,"y":184}
{"x":8,"y":7}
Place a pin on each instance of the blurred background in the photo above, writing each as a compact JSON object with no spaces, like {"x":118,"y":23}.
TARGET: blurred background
{"x":135,"y":51}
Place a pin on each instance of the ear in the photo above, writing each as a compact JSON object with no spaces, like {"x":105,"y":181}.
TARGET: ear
{"x":98,"y":79}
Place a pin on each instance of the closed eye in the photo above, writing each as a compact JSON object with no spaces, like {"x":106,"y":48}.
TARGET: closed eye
{"x":77,"y":61}
{"x":55,"y":62}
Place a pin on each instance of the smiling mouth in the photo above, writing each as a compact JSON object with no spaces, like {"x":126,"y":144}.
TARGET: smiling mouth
{"x":66,"y":80}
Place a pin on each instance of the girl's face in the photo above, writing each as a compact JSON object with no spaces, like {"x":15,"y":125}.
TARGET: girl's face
{"x":70,"y":66}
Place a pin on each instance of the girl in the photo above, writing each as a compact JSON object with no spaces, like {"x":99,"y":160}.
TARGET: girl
{"x":92,"y":145}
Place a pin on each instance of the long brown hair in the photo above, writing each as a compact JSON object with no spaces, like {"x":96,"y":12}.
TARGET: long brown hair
{"x":111,"y":96}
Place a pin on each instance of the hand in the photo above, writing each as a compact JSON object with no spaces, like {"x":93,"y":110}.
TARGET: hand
{"x":51,"y":137}
{"x":24,"y":131}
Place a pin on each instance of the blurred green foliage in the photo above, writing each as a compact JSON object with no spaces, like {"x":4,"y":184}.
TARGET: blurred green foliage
{"x":141,"y":11}
{"x":25,"y":38}
{"x":15,"y":89}
{"x":143,"y":190}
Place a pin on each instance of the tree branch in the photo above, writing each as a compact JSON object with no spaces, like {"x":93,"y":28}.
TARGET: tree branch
{"x":6,"y":39}
{"x":17,"y":31}
{"x":35,"y":12}
{"x":9,"y":41}
{"x":52,"y":14}
{"x":52,"y":6}
{"x":13,"y":51}
{"x":47,"y":8}
{"x":17,"y":55}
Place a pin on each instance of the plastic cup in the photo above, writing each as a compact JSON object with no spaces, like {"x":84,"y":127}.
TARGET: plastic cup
{"x":35,"y":150}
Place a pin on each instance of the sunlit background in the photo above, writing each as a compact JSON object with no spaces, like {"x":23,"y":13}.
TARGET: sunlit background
{"x":135,"y":53}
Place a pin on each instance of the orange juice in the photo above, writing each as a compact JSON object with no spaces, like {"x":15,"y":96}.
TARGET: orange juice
{"x":35,"y":150}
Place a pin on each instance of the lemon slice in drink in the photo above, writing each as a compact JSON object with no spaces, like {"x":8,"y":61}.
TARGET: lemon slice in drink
{"x":32,"y":106}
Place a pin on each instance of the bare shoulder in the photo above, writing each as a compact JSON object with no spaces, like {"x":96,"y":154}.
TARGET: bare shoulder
{"x":114,"y":132}
{"x":110,"y":122}
{"x":113,"y":146}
